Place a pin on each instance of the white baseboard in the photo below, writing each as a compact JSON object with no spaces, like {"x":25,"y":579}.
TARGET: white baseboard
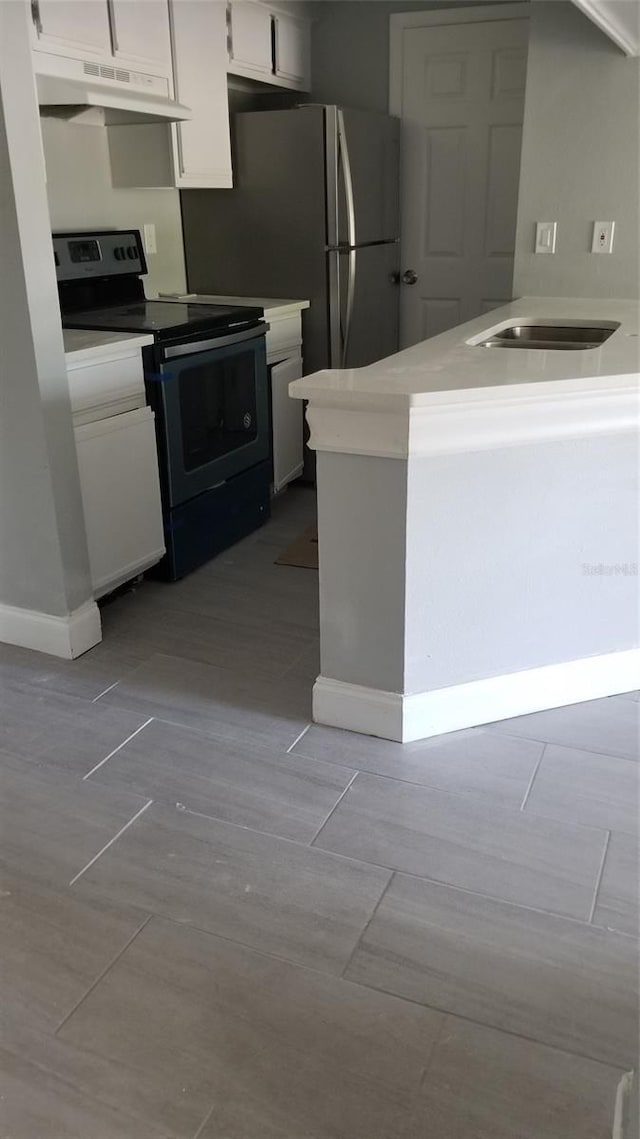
{"x":66,"y":637}
{"x":418,"y":716}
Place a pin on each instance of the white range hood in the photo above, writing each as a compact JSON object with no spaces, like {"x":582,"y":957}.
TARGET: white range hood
{"x":95,"y":92}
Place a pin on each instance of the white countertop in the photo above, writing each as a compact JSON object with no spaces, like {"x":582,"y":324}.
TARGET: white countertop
{"x":273,"y":306}
{"x":82,"y":344}
{"x":447,"y":369}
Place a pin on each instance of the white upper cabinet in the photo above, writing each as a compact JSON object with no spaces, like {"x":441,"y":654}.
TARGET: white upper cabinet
{"x":291,"y":48}
{"x":249,"y":38}
{"x":73,"y":26}
{"x":126,"y":32}
{"x":140,"y":33}
{"x":202,"y":146}
{"x":268,"y":44}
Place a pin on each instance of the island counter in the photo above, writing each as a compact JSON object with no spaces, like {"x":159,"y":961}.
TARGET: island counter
{"x":478,"y":526}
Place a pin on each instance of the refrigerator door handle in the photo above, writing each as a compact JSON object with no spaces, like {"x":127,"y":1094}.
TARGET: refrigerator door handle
{"x":343,"y":156}
{"x":351,"y":292}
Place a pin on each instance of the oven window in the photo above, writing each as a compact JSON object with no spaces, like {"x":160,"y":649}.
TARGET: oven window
{"x":217,"y":408}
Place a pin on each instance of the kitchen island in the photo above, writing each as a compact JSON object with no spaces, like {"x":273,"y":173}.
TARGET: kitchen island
{"x":478,"y":525}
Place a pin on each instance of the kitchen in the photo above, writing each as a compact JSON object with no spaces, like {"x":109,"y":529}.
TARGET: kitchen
{"x":87,"y":200}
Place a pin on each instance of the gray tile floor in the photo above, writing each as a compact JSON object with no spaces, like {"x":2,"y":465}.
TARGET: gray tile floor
{"x":219,"y":922}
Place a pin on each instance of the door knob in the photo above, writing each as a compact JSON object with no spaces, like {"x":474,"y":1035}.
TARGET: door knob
{"x":409,"y":277}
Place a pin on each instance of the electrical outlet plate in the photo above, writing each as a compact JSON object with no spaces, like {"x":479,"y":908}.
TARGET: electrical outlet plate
{"x":150,"y":238}
{"x":602,"y":241}
{"x":546,"y":233}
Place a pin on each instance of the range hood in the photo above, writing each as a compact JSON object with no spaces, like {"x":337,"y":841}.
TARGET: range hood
{"x":88,"y":91}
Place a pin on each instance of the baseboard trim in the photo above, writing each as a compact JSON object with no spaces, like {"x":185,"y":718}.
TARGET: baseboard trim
{"x":394,"y":716}
{"x":66,"y":637}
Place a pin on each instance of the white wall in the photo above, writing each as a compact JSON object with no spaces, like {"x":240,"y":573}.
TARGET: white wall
{"x":497,"y":548}
{"x":81,"y":196}
{"x":580,"y":157}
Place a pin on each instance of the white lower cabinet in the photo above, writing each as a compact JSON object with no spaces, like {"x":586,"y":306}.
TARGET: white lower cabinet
{"x":118,"y":465}
{"x":287,"y":418}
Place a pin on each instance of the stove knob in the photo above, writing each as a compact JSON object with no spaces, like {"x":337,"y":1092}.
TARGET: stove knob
{"x":132,"y":252}
{"x":118,"y":253}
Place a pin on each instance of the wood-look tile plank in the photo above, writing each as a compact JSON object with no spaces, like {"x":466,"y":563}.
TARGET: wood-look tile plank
{"x":86,"y":677}
{"x":35,"y":1104}
{"x":262,"y":651}
{"x":610,"y":726}
{"x":617,"y":905}
{"x":53,"y":946}
{"x":59,"y":731}
{"x":493,"y":767}
{"x":290,"y":900}
{"x":52,"y":824}
{"x":216,"y":701}
{"x":563,"y":983}
{"x":584,"y":787}
{"x":261,"y":597}
{"x":462,"y":841}
{"x":262,"y":1047}
{"x":483,"y":1083}
{"x":264,"y":789}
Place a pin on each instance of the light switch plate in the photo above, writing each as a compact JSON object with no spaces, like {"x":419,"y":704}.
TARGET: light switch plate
{"x":602,"y":241}
{"x":546,"y":233}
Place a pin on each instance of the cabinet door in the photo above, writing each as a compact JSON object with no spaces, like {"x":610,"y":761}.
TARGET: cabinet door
{"x":118,"y":466}
{"x":250,"y":38}
{"x":292,"y":50}
{"x":80,"y":26}
{"x":140,"y":32}
{"x":202,"y":146}
{"x":287,"y":415}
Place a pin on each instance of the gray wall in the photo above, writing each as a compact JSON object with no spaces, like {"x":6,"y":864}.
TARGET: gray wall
{"x":350,"y":49}
{"x":81,"y":195}
{"x":44,"y":564}
{"x":579,"y":157}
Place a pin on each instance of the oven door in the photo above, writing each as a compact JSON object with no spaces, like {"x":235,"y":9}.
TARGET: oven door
{"x":214,"y":411}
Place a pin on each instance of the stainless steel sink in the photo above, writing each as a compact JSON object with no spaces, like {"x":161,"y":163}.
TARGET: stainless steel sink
{"x":559,"y":337}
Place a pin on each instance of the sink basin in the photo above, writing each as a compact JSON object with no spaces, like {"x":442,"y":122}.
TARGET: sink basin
{"x":558,"y":337}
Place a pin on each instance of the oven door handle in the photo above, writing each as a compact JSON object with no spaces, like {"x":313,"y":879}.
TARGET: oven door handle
{"x":196,"y":346}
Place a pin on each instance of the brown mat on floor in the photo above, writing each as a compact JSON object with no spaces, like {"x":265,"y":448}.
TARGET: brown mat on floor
{"x":303,"y":552}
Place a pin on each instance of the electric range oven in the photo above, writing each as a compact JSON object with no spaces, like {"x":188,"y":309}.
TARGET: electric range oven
{"x":206,"y":381}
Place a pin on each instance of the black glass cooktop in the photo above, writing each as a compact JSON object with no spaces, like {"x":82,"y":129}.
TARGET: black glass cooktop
{"x":164,"y":318}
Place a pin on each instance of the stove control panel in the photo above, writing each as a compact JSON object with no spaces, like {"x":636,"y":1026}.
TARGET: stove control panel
{"x":106,"y":253}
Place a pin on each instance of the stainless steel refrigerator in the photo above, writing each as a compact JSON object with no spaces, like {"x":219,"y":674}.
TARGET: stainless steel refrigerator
{"x":314,"y":213}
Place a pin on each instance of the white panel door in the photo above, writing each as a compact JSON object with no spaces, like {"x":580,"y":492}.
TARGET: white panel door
{"x":202,"y":150}
{"x":141,"y":33}
{"x":82,"y":26}
{"x":462,"y":93}
{"x":287,"y":416}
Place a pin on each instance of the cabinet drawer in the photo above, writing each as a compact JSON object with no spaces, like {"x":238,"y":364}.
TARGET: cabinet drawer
{"x":285,"y":334}
{"x":105,"y":382}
